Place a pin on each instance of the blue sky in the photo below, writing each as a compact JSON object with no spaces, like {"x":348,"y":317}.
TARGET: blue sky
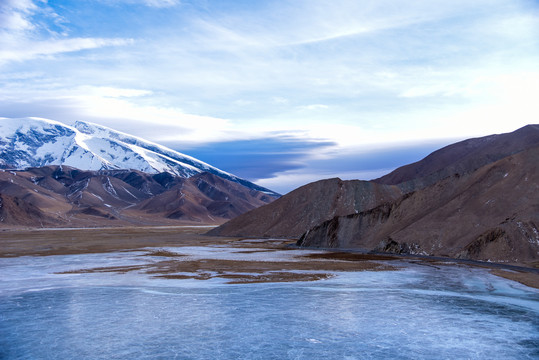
{"x":280,"y":92}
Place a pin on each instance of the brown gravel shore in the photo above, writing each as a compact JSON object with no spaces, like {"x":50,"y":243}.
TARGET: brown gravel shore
{"x":313,"y":266}
{"x":44,"y":242}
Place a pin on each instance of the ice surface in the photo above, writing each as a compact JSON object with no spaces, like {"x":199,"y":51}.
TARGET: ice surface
{"x":419,"y":312}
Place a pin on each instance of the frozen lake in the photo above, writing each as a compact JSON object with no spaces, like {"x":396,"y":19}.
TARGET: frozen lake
{"x":419,"y":312}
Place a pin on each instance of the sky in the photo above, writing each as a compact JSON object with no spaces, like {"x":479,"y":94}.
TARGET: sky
{"x":279,"y":92}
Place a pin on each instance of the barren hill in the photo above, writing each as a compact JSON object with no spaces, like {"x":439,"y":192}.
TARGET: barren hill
{"x":491,"y":214}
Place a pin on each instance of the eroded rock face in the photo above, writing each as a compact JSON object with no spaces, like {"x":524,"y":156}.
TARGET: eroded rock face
{"x":345,"y":231}
{"x":516,"y":238}
{"x":490,"y":214}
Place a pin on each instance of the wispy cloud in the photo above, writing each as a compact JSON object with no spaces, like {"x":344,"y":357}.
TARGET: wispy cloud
{"x":314,"y":107}
{"x":149,"y":3}
{"x":25,"y":35}
{"x":112,"y":92}
{"x":26,"y":49}
{"x":15,"y":15}
{"x":352,"y":163}
{"x":161,"y":3}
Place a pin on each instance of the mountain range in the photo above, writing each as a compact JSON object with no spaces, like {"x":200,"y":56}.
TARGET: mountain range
{"x":36,"y":142}
{"x":476,"y":199}
{"x":60,"y":196}
{"x":56,"y":175}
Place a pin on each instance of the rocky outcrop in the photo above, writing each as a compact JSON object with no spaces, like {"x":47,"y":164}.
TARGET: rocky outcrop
{"x":519,"y":239}
{"x":345,"y":231}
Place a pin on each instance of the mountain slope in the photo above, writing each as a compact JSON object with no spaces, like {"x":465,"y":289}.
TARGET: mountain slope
{"x":35,"y":142}
{"x":17,"y":212}
{"x":204,"y":197}
{"x":491,"y":214}
{"x":296,"y":212}
{"x":55,"y":196}
{"x":461,"y":158}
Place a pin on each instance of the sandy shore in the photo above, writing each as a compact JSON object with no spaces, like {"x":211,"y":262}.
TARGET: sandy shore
{"x":313,"y":266}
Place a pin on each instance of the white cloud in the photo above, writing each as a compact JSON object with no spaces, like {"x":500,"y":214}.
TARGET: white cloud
{"x":447,"y":89}
{"x":168,"y":124}
{"x":149,"y":3}
{"x":512,"y":103}
{"x":112,"y":92}
{"x":26,"y":49}
{"x":242,"y":102}
{"x":161,"y":3}
{"x":314,"y":107}
{"x":24,"y":34}
{"x":118,"y":108}
{"x":307,"y":22}
{"x":279,"y":100}
{"x":15,"y":14}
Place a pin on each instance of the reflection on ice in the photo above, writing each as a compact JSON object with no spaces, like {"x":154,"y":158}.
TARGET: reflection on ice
{"x":416,"y":312}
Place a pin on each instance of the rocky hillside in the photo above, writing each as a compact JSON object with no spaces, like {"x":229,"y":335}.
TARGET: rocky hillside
{"x":53,"y":196}
{"x":491,"y":214}
{"x":296,"y":212}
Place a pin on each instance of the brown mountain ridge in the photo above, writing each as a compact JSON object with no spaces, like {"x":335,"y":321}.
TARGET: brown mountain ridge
{"x":475,"y":199}
{"x":58,"y":196}
{"x":461,"y":158}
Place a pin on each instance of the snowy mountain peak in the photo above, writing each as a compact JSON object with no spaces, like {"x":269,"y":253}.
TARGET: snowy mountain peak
{"x":36,"y":142}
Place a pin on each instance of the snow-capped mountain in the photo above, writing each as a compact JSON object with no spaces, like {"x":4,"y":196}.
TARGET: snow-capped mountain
{"x":36,"y":142}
